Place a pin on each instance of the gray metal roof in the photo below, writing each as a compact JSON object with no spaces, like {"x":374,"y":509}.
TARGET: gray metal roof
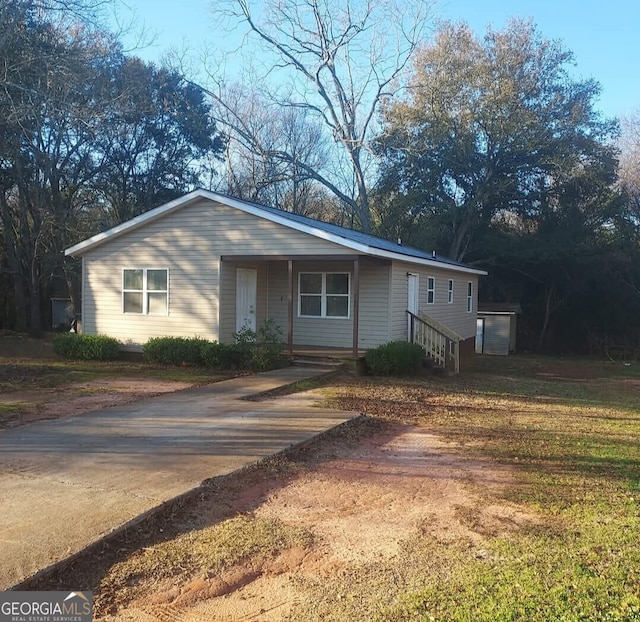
{"x":499,"y":307}
{"x":356,"y":236}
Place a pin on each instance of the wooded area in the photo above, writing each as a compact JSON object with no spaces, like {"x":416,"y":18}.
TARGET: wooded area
{"x":483,"y":147}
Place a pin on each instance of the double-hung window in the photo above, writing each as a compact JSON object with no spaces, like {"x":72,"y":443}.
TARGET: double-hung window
{"x":431,"y":290}
{"x":469,"y":297}
{"x":450,"y":297}
{"x":145,"y":291}
{"x":323,"y":294}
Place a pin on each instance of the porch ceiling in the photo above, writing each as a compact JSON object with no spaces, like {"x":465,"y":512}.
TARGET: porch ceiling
{"x":247,"y":258}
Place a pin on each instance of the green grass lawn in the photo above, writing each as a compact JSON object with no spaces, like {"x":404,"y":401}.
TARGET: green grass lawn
{"x":570,"y":432}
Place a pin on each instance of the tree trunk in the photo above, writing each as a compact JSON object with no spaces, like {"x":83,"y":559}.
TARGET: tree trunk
{"x":18,"y":291}
{"x":457,"y":250}
{"x":547,"y":316}
{"x":35,"y":324}
{"x":13,"y":262}
{"x":363,"y":211}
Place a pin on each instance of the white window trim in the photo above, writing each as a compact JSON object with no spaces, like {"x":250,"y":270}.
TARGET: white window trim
{"x":431,"y":279}
{"x":450,"y":291}
{"x":323,"y":297}
{"x":145,"y":292}
{"x":470,"y":297}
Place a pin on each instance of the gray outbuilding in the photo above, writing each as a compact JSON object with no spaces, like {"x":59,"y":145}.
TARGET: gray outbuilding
{"x":496,"y":327}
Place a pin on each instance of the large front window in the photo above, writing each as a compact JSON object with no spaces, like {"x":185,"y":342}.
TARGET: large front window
{"x":323,"y":294}
{"x":145,"y":291}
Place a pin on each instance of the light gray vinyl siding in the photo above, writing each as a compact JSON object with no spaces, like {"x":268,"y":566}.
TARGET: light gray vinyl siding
{"x":322,"y":331}
{"x":374,"y":322}
{"x":193,"y":300}
{"x":189,"y":243}
{"x":454,"y":315}
{"x":374,"y":318}
{"x":278,"y":300}
{"x":88,"y":323}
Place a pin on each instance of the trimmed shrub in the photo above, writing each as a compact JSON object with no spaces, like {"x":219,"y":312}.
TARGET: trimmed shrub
{"x":396,"y":358}
{"x":211,"y":353}
{"x":259,"y":350}
{"x":87,"y":347}
{"x":219,"y":355}
{"x":174,"y":350}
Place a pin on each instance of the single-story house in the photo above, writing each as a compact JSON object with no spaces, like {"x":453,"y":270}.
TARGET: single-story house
{"x":207,"y":264}
{"x":496,"y":331}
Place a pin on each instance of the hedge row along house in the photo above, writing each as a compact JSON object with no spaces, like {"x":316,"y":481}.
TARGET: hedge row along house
{"x":209,"y":265}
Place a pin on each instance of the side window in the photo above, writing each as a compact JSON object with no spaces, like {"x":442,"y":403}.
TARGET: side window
{"x":431,"y":290}
{"x":450,"y":292}
{"x":469,"y":297}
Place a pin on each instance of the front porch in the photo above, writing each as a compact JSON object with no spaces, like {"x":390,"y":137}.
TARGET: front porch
{"x":326,"y":322}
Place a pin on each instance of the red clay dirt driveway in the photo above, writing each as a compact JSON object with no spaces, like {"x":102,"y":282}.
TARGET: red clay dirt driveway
{"x":66,"y":483}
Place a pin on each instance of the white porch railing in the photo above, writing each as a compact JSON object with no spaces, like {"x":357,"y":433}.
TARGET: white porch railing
{"x":440,"y":343}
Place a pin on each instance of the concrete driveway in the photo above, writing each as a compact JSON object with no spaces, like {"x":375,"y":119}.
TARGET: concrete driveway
{"x":65,"y":484}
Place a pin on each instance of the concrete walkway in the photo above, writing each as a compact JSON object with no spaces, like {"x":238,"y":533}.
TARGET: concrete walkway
{"x":65,"y":484}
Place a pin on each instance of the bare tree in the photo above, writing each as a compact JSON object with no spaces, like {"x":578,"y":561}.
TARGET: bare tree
{"x":335,"y":60}
{"x":270,"y":150}
{"x":629,"y":168}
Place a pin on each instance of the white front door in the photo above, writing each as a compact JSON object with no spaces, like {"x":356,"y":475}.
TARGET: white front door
{"x":412,"y":298}
{"x":246,"y":293}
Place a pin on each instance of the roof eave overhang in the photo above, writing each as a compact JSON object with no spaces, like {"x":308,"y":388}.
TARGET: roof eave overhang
{"x":433,"y":263}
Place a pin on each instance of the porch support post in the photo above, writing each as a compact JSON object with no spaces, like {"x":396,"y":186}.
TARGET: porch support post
{"x":290,"y":306}
{"x":356,"y":304}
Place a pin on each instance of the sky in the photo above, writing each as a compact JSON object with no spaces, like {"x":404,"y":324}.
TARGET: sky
{"x":604,"y":35}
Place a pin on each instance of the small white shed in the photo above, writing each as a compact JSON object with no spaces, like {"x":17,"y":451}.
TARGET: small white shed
{"x":496,"y":327}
